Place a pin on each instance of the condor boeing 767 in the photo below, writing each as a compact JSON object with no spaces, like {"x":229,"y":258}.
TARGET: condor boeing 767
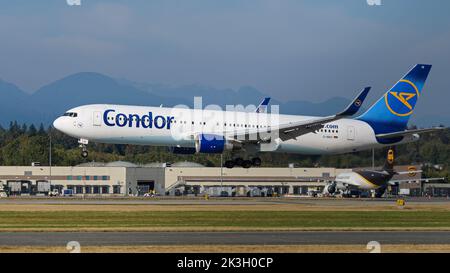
{"x":246,"y":134}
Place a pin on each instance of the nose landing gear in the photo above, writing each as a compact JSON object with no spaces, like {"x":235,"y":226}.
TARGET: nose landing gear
{"x":83,"y":142}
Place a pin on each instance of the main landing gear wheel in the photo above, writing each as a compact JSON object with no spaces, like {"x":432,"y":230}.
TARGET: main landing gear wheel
{"x":246,"y":164}
{"x":256,"y":161}
{"x":229,"y":164}
{"x":84,"y":153}
{"x":238,"y":161}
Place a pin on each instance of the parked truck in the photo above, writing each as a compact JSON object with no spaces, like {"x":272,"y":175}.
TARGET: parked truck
{"x":3,"y":192}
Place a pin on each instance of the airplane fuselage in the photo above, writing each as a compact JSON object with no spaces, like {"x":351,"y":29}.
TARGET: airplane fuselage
{"x":175,"y":127}
{"x":365,"y":179}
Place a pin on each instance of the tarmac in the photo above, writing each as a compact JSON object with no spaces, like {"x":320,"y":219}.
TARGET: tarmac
{"x":222,"y":238}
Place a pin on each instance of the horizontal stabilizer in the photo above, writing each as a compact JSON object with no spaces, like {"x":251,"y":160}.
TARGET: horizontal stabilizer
{"x":394,"y":182}
{"x":409,"y":132}
{"x":409,"y":172}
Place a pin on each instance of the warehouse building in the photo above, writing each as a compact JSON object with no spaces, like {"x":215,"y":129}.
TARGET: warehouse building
{"x":124,"y":178}
{"x":114,"y":179}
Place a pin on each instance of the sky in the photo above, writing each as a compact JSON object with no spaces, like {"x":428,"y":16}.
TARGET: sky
{"x":290,"y":49}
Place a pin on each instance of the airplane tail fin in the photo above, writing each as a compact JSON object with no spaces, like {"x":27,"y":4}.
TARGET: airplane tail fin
{"x":389,"y":163}
{"x":392,"y":111}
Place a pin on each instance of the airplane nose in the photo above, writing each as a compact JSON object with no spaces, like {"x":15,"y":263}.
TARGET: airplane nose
{"x":58,"y":123}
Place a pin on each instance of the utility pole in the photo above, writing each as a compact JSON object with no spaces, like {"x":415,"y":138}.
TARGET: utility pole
{"x":221,"y":173}
{"x":50,"y":157}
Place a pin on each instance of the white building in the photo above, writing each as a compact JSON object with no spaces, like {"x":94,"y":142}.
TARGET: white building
{"x":123,"y":178}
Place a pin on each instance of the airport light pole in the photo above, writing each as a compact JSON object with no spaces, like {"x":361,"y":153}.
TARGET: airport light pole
{"x":221,"y":173}
{"x":50,"y":157}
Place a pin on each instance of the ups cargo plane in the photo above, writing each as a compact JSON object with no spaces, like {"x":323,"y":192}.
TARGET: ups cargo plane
{"x":368,"y":179}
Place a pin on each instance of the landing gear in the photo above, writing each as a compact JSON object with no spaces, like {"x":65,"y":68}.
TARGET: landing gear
{"x":229,"y":164}
{"x":246,"y":164}
{"x":256,"y":161}
{"x":243,"y":163}
{"x":379,"y":192}
{"x":83,"y":142}
{"x":238,"y":161}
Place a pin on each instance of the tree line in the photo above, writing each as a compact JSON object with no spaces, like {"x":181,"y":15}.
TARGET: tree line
{"x":20,"y":145}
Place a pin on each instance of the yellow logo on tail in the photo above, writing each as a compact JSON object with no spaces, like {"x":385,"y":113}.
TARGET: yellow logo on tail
{"x":390,"y":157}
{"x":404,"y":98}
{"x":395,"y":100}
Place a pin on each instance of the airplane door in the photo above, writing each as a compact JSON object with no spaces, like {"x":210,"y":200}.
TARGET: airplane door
{"x":97,"y":118}
{"x":350,"y":133}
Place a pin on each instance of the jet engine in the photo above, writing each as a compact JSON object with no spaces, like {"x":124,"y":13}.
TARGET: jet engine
{"x":330,"y":188}
{"x":215,"y":144}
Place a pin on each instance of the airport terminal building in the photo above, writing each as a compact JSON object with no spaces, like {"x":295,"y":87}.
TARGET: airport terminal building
{"x":123,"y":178}
{"x":127,"y":179}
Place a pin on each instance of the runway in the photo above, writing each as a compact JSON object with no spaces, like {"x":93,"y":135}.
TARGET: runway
{"x":222,"y":238}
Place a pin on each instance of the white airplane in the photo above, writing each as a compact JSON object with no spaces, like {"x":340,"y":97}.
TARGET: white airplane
{"x":246,"y":134}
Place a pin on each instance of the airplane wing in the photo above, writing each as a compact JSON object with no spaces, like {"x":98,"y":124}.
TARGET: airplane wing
{"x":409,"y":172}
{"x":296,"y":129}
{"x":393,"y":182}
{"x":409,"y":132}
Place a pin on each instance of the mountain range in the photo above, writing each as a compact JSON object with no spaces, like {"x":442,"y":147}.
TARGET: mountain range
{"x":50,"y":101}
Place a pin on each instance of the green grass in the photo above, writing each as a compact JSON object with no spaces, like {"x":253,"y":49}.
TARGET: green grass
{"x":241,"y":219}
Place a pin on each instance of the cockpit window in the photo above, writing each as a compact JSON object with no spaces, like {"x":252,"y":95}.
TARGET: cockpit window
{"x":70,"y":114}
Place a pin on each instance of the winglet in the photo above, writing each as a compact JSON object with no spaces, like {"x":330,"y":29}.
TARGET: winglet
{"x":263,"y":105}
{"x":354,"y":106}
